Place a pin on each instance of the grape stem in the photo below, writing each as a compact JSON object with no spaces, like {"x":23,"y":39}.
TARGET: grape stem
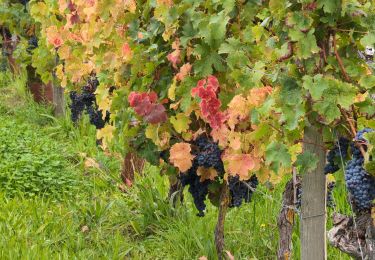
{"x":219,"y":230}
{"x":354,"y":132}
{"x":339,"y":60}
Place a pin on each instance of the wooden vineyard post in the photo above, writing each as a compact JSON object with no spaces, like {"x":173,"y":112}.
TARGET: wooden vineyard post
{"x":58,"y":100}
{"x":313,"y":209}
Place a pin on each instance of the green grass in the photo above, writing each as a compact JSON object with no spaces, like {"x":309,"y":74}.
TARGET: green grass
{"x":97,"y":220}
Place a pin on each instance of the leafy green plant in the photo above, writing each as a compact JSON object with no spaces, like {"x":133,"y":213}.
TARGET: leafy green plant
{"x":33,"y":165}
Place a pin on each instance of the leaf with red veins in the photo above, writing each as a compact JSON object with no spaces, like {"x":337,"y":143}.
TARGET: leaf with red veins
{"x":208,"y":107}
{"x":156,"y":115}
{"x":134,"y":98}
{"x":144,"y":104}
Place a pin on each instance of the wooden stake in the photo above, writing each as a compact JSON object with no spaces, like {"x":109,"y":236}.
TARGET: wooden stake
{"x":285,"y":221}
{"x":313,"y":222}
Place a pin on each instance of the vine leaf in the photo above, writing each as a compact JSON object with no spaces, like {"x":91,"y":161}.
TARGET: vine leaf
{"x":181,"y":157}
{"x":277,"y":156}
{"x":240,"y":164}
{"x":306,"y":162}
{"x":184,"y":72}
{"x":180,"y":122}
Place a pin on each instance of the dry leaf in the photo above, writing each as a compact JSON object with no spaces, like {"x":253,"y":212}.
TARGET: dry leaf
{"x":229,"y":254}
{"x":206,"y":173}
{"x":290,"y":216}
{"x":91,"y":163}
{"x":85,"y":229}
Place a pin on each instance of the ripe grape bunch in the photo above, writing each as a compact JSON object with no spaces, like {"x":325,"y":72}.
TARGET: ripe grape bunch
{"x":241,"y":190}
{"x":32,"y":44}
{"x":208,"y":155}
{"x":86,"y":101}
{"x":360,"y":184}
{"x":340,"y":150}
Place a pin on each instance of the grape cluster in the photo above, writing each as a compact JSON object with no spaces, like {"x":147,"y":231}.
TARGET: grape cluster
{"x":359,"y":136}
{"x":330,"y":199}
{"x":197,"y":189}
{"x":240,"y":190}
{"x":207,"y":154}
{"x":32,"y":44}
{"x":360,"y":184}
{"x":339,"y":150}
{"x":86,"y":101}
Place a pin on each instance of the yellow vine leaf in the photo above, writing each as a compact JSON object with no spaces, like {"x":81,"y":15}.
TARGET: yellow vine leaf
{"x":159,"y":135}
{"x":181,"y":157}
{"x":235,"y":140}
{"x":131,"y":6}
{"x":106,"y":134}
{"x":172,"y":91}
{"x":180,"y":122}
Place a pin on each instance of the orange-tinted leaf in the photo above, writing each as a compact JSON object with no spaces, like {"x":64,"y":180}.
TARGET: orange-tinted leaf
{"x":126,"y":52}
{"x":221,"y":135}
{"x":184,"y":71}
{"x":240,"y":164}
{"x":54,"y":36}
{"x":258,"y":95}
{"x":238,"y":109}
{"x":181,"y":157}
{"x":131,"y":5}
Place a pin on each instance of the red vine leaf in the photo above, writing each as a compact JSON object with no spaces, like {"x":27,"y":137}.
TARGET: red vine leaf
{"x":206,"y":89}
{"x":144,"y":104}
